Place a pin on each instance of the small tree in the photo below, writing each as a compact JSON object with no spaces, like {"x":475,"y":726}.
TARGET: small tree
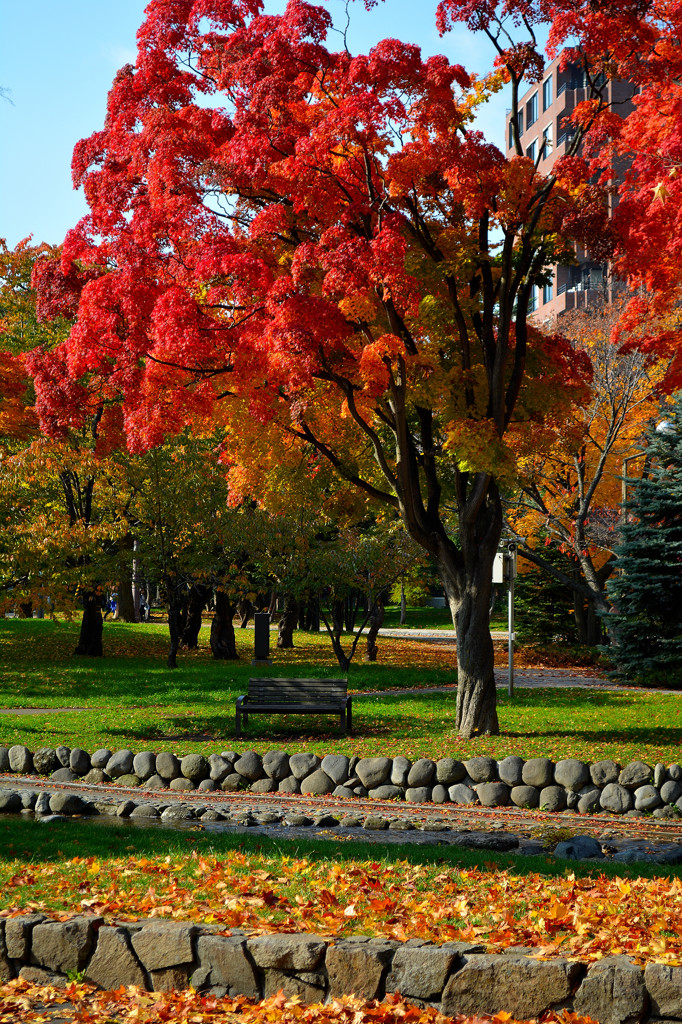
{"x":647,"y":593}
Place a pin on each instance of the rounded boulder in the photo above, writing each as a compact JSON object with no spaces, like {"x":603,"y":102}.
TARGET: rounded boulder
{"x":301,"y":765}
{"x":276,"y":765}
{"x":120,"y":763}
{"x":144,"y":764}
{"x":482,"y":769}
{"x":45,"y":761}
{"x":571,"y":774}
{"x":493,"y":794}
{"x":510,"y":770}
{"x":538,"y":772}
{"x":20,"y":759}
{"x":616,"y":799}
{"x":195,"y":767}
{"x":421,"y":773}
{"x":317,"y":784}
{"x":373,"y":771}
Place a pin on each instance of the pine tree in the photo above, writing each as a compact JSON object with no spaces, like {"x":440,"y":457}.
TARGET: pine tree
{"x":646,"y":623}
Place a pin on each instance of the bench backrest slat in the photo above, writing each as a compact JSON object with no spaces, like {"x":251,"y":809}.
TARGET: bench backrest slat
{"x":274,"y":688}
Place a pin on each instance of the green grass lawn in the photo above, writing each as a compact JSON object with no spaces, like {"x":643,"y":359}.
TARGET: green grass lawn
{"x":430,"y":618}
{"x":132,"y":700}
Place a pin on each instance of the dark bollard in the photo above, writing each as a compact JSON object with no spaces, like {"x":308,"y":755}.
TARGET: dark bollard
{"x":261,"y":640}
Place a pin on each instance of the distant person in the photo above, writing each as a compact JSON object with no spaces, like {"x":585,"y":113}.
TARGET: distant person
{"x":144,"y":608}
{"x":112,"y":607}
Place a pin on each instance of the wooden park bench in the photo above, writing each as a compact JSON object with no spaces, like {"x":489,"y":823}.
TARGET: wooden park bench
{"x":275,"y":696}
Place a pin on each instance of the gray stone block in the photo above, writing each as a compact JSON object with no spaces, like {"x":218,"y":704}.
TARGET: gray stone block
{"x":373,"y":771}
{"x":289,"y":785}
{"x":439,"y":794}
{"x":177,"y":812}
{"x":295,"y":986}
{"x":538,"y":772}
{"x":304,"y":764}
{"x":613,"y":992}
{"x":113,"y":963}
{"x":675,"y":772}
{"x":144,"y":811}
{"x":343,"y":791}
{"x":42,"y":804}
{"x":226,"y":960}
{"x":664,"y":985}
{"x":523,"y":987}
{"x":510,"y":770}
{"x":162,"y":944}
{"x":156,"y":782}
{"x":95,"y":777}
{"x":130,"y":781}
{"x":421,"y":973}
{"x":171,"y":979}
{"x":18,"y":931}
{"x":287,"y":952}
{"x":358,"y":968}
{"x":38,"y":976}
{"x":63,"y":945}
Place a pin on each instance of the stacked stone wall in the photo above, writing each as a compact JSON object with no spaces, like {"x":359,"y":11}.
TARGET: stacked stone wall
{"x":536,"y":783}
{"x":454,"y":977}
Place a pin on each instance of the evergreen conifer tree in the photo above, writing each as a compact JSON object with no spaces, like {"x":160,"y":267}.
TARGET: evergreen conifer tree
{"x":646,"y":592}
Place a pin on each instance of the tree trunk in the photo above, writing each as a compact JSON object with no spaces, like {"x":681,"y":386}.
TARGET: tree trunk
{"x":337,"y":617}
{"x":189,"y":638}
{"x":126,"y":604}
{"x":375,"y":623}
{"x":287,"y":623}
{"x":175,"y":623}
{"x":244,"y":611}
{"x":26,"y":610}
{"x":403,"y":604}
{"x":467,"y":578}
{"x":223,"y":642}
{"x":90,"y":639}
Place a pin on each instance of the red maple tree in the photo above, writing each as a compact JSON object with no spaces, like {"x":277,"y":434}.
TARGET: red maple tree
{"x":301,"y":241}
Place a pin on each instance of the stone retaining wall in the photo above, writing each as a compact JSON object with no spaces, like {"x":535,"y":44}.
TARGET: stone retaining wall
{"x":539,"y":782}
{"x":455,"y":977}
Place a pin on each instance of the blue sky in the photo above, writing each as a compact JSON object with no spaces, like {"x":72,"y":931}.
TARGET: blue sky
{"x":57,"y":62}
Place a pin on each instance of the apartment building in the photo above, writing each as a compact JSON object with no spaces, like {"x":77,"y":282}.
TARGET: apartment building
{"x":546,"y":134}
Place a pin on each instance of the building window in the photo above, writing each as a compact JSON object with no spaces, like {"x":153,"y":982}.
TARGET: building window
{"x":547,"y":93}
{"x":532,"y":150}
{"x":547,"y":140}
{"x":532,"y":110}
{"x":520,"y":122}
{"x":511,"y":133}
{"x":532,"y":300}
{"x":547,"y":293}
